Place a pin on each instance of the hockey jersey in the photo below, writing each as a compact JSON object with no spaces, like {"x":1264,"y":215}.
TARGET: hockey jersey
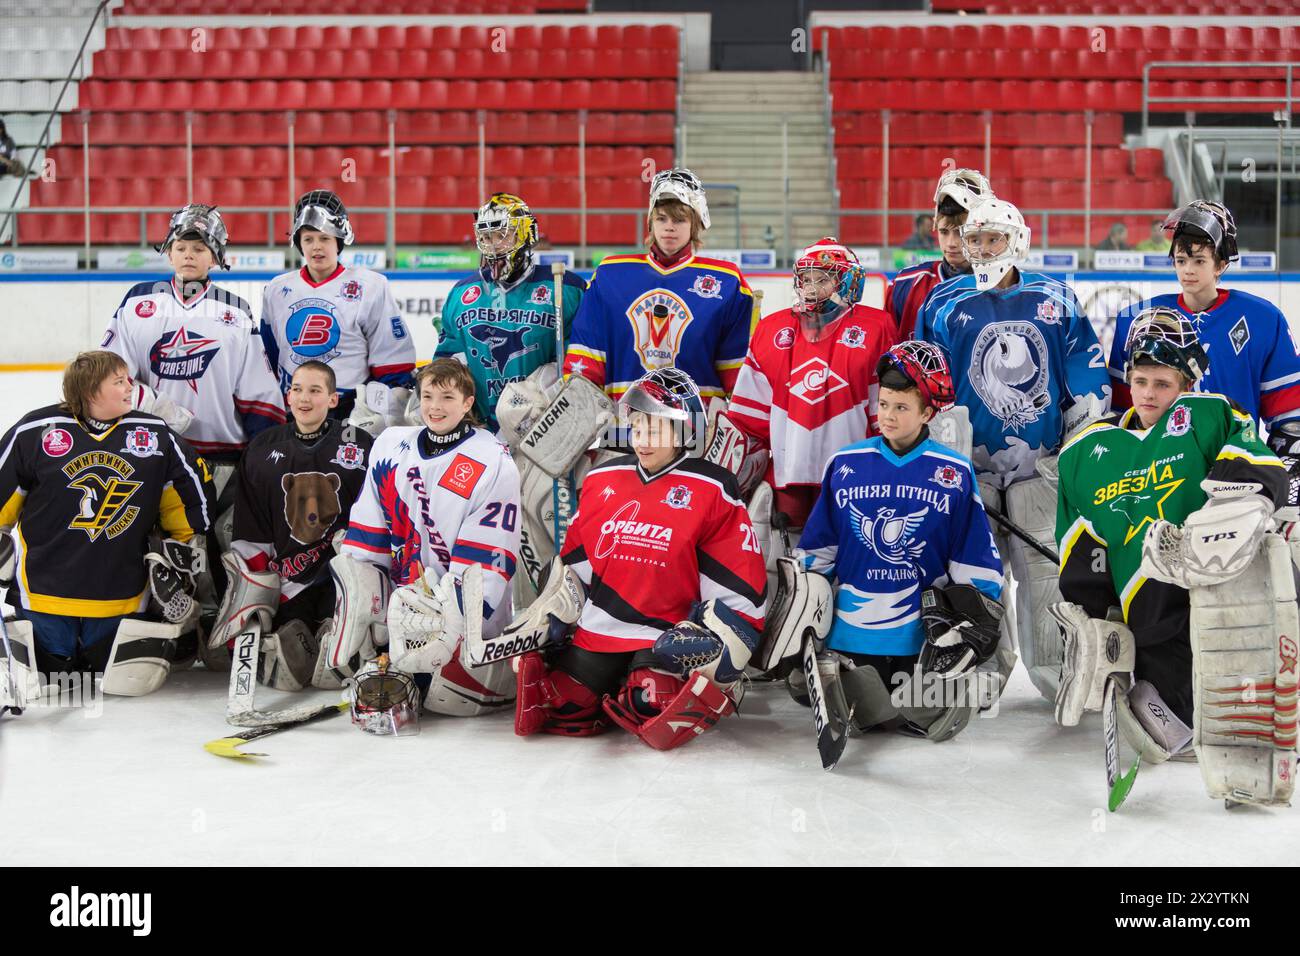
{"x":648,"y":547}
{"x":204,"y":355}
{"x":909,"y":288}
{"x":503,"y":334}
{"x":807,"y":400}
{"x":638,"y":316}
{"x":1019,"y":357}
{"x":1254,"y":359}
{"x":887,"y":527}
{"x":1117,"y":478}
{"x":84,"y":504}
{"x":440,"y":508}
{"x":292,"y":495}
{"x":350,"y":322}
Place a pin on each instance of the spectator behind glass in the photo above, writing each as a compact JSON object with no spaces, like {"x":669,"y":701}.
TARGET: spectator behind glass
{"x":1157,"y":241}
{"x":9,"y":164}
{"x":923,"y":238}
{"x":1117,"y":238}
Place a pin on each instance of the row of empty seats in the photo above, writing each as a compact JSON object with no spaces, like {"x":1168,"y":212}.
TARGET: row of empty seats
{"x":1080,"y":63}
{"x":1189,"y":41}
{"x":1063,"y":231}
{"x":963,"y":129}
{"x":36,"y":96}
{"x":1046,"y":95}
{"x":414,"y":64}
{"x":354,"y":7}
{"x":1180,"y":8}
{"x":501,"y":40}
{"x":1029,"y":193}
{"x":43,"y":37}
{"x":1026,"y":162}
{"x":356,"y":95}
{"x":246,"y":162}
{"x":37,"y":64}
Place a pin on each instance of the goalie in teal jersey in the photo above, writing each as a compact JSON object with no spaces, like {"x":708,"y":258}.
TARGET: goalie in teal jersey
{"x":1163,"y":520}
{"x":501,"y":321}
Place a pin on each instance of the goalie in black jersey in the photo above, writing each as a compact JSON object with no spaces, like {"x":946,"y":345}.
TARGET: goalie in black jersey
{"x":83,"y":485}
{"x":294,"y":490}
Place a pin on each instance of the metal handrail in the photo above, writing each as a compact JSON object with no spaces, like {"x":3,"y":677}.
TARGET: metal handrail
{"x":1147,"y":99}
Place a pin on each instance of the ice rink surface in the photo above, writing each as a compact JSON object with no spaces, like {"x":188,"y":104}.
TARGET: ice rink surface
{"x":127,"y":782}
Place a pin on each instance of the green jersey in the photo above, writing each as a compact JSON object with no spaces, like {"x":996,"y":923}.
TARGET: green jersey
{"x":503,"y":334}
{"x":1118,"y":478}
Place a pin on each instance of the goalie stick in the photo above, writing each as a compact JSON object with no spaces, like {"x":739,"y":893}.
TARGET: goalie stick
{"x":1021,"y":533}
{"x":240,"y":708}
{"x":565,"y":487}
{"x":1118,"y":786}
{"x":225,"y":746}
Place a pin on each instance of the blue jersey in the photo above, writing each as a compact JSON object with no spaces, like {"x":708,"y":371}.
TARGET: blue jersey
{"x":886,"y":528}
{"x":1019,"y":358}
{"x":638,"y":316}
{"x":1253,"y":356}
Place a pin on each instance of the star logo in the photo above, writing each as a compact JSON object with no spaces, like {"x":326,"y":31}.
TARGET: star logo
{"x":578,"y":367}
{"x":182,"y":356}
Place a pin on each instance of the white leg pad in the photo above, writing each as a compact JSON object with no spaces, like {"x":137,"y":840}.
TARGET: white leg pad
{"x":1149,"y":726}
{"x":248,"y":592}
{"x":1093,"y":650}
{"x":27,"y":681}
{"x":288,"y":659}
{"x":141,"y":657}
{"x":360,"y":608}
{"x":1031,"y":504}
{"x":1244,"y":648}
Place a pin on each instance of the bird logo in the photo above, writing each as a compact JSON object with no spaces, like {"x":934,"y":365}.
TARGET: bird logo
{"x":890,"y":536}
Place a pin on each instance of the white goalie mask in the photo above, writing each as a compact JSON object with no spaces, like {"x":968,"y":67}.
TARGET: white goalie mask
{"x":385,"y":701}
{"x":965,"y":187}
{"x":994,"y":239}
{"x":683,"y":185}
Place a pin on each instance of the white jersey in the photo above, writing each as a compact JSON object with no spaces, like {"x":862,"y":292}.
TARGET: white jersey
{"x":204,"y":355}
{"x":350,"y":322}
{"x":428,"y":508}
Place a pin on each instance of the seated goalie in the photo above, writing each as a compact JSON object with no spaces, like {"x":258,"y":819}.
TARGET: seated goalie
{"x":294,"y":489}
{"x":899,"y":525}
{"x":662,"y":575}
{"x":1161,"y":510}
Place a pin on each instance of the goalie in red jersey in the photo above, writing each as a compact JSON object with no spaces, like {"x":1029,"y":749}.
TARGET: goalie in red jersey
{"x":661,"y":573}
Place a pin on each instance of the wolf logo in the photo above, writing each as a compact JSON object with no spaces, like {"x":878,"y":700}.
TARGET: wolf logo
{"x":503,"y":345}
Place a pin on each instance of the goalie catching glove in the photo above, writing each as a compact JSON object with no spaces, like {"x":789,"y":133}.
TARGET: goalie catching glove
{"x":426,"y":623}
{"x":173,"y":567}
{"x":1216,"y":542}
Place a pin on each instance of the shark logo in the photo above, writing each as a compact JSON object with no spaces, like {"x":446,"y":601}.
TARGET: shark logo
{"x":503,"y":345}
{"x":891,"y":537}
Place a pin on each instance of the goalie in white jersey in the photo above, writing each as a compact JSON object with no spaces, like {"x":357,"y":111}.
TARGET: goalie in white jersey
{"x":343,"y":316}
{"x":437,"y":526}
{"x":192,"y":347}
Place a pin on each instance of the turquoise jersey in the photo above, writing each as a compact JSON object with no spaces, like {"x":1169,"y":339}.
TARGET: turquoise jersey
{"x":504,"y":334}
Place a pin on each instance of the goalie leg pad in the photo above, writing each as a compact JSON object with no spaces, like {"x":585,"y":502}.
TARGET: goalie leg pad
{"x":696,"y":707}
{"x":1149,"y":724}
{"x":557,"y":607}
{"x":866,"y":694}
{"x":360,"y":604}
{"x":462,"y":690}
{"x":568,"y":427}
{"x":1031,"y":504}
{"x":248,"y":593}
{"x":26,"y":673}
{"x":804,"y":603}
{"x":140,"y":658}
{"x":288,"y":658}
{"x":1094,"y":649}
{"x":739,"y":453}
{"x":1244,"y":647}
{"x":537,"y":535}
{"x":952,"y":427}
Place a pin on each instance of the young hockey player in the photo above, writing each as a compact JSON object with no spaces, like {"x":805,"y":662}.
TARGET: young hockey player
{"x":294,"y":490}
{"x":193,"y":347}
{"x":82,"y":486}
{"x":957,"y":192}
{"x":900,"y":527}
{"x":437,"y":525}
{"x":501,"y":321}
{"x":1029,"y":370}
{"x":1256,"y":360}
{"x":661,"y":573}
{"x":344,"y":317}
{"x":1127,"y":483}
{"x":808,"y":385}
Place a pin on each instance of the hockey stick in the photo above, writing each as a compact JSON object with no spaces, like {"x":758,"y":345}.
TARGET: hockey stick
{"x":240,"y":708}
{"x":225,"y":746}
{"x":1022,"y":534}
{"x":1118,"y":786}
{"x":562,"y":488}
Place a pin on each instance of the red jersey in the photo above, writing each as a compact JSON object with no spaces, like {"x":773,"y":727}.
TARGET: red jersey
{"x":908,"y":289}
{"x":649,"y":547}
{"x":807,"y":400}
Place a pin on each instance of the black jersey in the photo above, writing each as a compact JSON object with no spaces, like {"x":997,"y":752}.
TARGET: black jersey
{"x":293,"y":494}
{"x":83,"y":502}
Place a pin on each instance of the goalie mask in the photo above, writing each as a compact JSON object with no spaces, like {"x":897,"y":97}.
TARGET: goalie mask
{"x":994,"y":239}
{"x":684,"y":186}
{"x":668,"y":393}
{"x":202,"y":222}
{"x":323,"y":211}
{"x":385,"y":701}
{"x":1166,"y":337}
{"x":1204,"y":221}
{"x":923,"y":364}
{"x":963,"y":187}
{"x":828,"y":282}
{"x":505,"y":232}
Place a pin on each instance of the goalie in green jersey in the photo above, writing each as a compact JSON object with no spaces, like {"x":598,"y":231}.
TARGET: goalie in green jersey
{"x":1162,"y":509}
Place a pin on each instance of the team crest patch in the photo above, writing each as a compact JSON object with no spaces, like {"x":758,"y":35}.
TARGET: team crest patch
{"x":470,"y":295}
{"x":141,"y":442}
{"x":679,"y":497}
{"x":351,"y":290}
{"x":227,"y":318}
{"x":853,"y":337}
{"x":462,"y":475}
{"x":947,"y":476}
{"x":1049,"y":312}
{"x":312,"y":329}
{"x":183,"y":356}
{"x":541,"y":295}
{"x":1180,"y":420}
{"x":659,"y":320}
{"x":707,"y":287}
{"x":784,"y":338}
{"x":349,"y":455}
{"x":146,"y":308}
{"x":814,"y":381}
{"x":1239,"y":335}
{"x":57,"y":442}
